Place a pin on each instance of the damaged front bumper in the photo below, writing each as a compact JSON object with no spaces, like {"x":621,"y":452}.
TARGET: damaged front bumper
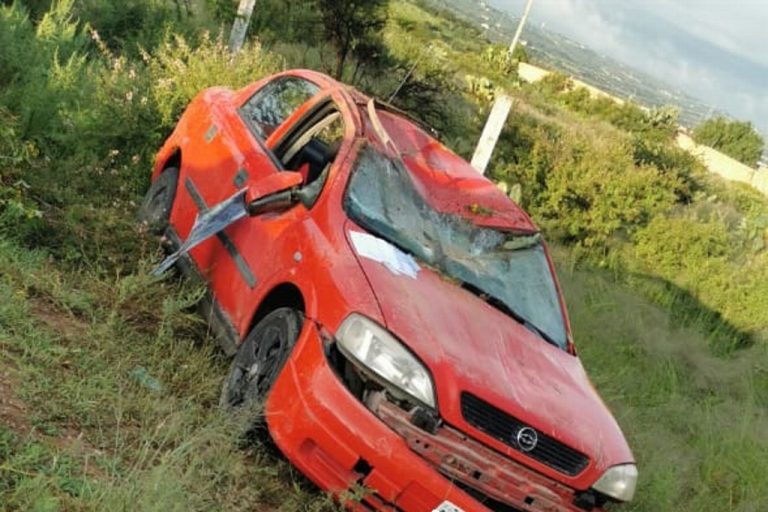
{"x":494,"y":480}
{"x":341,"y":442}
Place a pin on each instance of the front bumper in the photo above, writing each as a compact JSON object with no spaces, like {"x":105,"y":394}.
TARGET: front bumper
{"x":338,"y":442}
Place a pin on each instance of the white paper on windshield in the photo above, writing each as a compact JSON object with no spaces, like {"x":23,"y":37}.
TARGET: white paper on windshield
{"x":447,"y":506}
{"x":376,"y":249}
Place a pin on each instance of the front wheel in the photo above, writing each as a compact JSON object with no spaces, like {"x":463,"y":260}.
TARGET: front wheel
{"x":155,"y":209}
{"x":258,"y":363}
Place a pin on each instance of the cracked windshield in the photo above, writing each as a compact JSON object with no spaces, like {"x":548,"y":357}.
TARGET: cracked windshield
{"x":508,"y":270}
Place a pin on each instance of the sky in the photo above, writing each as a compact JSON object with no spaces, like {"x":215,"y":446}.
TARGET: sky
{"x":716,"y":50}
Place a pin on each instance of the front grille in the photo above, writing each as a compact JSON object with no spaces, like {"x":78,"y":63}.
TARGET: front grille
{"x":500,"y":425}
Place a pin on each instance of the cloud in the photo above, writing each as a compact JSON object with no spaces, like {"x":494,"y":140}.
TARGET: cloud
{"x":579,"y":19}
{"x":735,"y":27}
{"x":712,"y":49}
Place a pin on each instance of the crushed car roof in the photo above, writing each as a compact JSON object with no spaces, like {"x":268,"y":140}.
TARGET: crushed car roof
{"x":447,"y":181}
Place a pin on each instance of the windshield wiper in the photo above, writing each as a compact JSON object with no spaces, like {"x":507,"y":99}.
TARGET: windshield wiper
{"x":503,"y":307}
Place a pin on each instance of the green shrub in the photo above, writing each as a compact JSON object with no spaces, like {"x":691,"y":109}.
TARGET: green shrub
{"x":737,"y":139}
{"x":670,"y":159}
{"x":131,"y":23}
{"x":657,"y":124}
{"x":672,"y":244}
{"x":41,"y":69}
{"x":98,"y":117}
{"x":706,"y":258}
{"x":222,"y":10}
{"x":17,"y":210}
{"x":13,"y":150}
{"x":583,"y":184}
{"x":178,"y":71}
{"x":555,"y":83}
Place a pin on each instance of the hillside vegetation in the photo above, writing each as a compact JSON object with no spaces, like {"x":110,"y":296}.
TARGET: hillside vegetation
{"x":739,"y":140}
{"x":109,"y":381}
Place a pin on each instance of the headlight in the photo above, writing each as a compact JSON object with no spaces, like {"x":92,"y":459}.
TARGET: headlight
{"x":618,"y":482}
{"x":379,"y":352}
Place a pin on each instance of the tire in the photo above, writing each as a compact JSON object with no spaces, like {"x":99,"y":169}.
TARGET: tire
{"x":257,"y":365}
{"x":155,"y":209}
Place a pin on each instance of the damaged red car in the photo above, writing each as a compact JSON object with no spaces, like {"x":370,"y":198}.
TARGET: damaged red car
{"x":395,"y":314}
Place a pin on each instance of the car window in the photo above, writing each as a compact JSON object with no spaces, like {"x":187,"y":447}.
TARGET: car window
{"x":332,"y":134}
{"x":312,"y":149}
{"x":319,"y":143}
{"x":274,"y":103}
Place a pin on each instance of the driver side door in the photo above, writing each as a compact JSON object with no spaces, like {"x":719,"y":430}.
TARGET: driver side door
{"x":234,"y":154}
{"x":296,"y":131}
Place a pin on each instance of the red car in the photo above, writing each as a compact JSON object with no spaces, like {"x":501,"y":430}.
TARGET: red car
{"x":396,"y":315}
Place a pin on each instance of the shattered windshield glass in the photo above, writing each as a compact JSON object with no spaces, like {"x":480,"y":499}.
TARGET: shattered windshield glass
{"x":510,"y":271}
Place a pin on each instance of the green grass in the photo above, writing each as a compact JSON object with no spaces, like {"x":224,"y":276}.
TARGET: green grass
{"x":95,"y":437}
{"x":696,"y":422}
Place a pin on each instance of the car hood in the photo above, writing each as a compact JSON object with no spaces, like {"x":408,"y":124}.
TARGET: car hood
{"x":469,"y":346}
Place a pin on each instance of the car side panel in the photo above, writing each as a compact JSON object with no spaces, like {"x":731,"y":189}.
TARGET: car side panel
{"x":219,"y":157}
{"x":260,"y":246}
{"x":233,"y":269}
{"x":307,"y":248}
{"x":283,"y":246}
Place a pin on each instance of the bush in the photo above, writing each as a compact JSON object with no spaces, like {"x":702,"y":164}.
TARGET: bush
{"x":583,"y":185}
{"x":97,"y":117}
{"x":670,"y":159}
{"x":178,"y":71}
{"x":41,"y":70}
{"x":706,"y":257}
{"x":657,"y":124}
{"x":555,"y":83}
{"x":13,"y":150}
{"x":737,"y":139}
{"x":15,"y":206}
{"x":670,"y":245}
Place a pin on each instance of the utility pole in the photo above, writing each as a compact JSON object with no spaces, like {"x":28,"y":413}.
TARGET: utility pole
{"x":519,"y":30}
{"x":240,"y":26}
{"x":500,"y":110}
{"x":491,"y":132}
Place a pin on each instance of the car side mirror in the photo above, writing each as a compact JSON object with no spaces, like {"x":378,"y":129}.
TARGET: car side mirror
{"x":276,"y":192}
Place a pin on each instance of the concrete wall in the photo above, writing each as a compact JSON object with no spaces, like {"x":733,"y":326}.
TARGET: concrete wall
{"x":723,"y":165}
{"x":530,"y":73}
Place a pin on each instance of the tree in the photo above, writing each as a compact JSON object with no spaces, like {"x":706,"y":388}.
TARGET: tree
{"x":291,"y":22}
{"x":738,"y":139}
{"x":520,"y":54}
{"x":497,"y":56}
{"x":353,"y":27}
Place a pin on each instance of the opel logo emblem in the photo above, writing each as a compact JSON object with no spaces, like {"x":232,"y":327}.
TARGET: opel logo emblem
{"x":527,"y":438}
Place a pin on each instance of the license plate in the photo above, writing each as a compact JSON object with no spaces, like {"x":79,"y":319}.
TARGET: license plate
{"x":447,"y":506}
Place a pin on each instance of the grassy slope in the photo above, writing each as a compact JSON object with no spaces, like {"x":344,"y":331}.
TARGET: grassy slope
{"x":696,"y":422}
{"x":88,"y":428}
{"x":81,"y":429}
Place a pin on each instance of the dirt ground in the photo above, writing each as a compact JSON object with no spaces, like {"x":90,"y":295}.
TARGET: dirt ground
{"x":13,"y":411}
